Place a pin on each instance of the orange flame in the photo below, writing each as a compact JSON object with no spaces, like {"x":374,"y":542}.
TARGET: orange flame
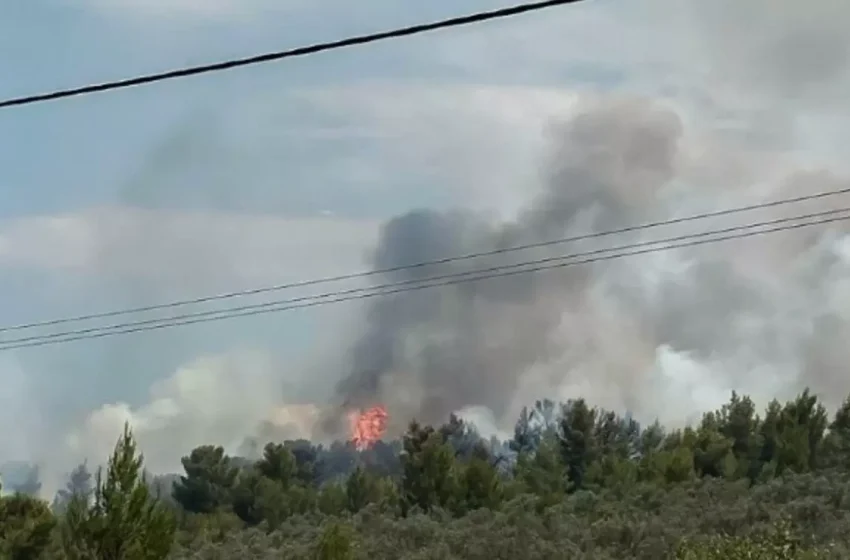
{"x":367,"y":427}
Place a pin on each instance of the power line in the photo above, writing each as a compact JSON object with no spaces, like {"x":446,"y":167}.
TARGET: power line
{"x":445,"y":260}
{"x":451,"y":279}
{"x":432,"y":282}
{"x":291,"y":53}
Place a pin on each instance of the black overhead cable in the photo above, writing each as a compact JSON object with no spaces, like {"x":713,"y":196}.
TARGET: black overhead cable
{"x":445,"y":260}
{"x":291,"y":53}
{"x":550,"y":263}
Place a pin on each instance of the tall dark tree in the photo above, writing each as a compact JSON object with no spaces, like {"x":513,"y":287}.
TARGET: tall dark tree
{"x":651,"y":439}
{"x":836,"y":449}
{"x":361,"y":489}
{"x":791,"y":435}
{"x":616,"y":435}
{"x":79,"y":485}
{"x":123,"y":521}
{"x":208,"y":481}
{"x":578,"y":444}
{"x":712,"y":451}
{"x":810,"y":416}
{"x":257,"y":498}
{"x":526,"y":436}
{"x":307,"y":465}
{"x":545,"y":415}
{"x":770,"y":438}
{"x":480,"y":485}
{"x":278,"y":464}
{"x":428,"y":478}
{"x":542,"y":472}
{"x":462,"y":437}
{"x":738,"y":422}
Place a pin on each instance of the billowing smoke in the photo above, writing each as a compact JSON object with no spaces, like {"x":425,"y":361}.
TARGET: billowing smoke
{"x":661,"y":335}
{"x":749,"y":315}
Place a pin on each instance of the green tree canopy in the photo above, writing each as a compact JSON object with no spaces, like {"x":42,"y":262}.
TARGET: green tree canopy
{"x":208,"y":481}
{"x":26,"y":524}
{"x":123,"y":521}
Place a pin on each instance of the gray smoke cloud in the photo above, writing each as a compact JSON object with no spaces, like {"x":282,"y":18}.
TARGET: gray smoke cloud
{"x":659,"y":335}
{"x":749,"y":315}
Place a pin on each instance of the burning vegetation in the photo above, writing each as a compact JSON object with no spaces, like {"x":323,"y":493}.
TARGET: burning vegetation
{"x":368,"y":426}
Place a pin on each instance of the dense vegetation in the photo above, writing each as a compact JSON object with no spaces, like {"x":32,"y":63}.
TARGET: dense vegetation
{"x":574,"y":482}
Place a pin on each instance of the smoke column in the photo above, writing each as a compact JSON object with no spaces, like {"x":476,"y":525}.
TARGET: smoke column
{"x":644,"y":334}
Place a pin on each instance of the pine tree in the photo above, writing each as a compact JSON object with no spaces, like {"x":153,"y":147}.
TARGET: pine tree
{"x":123,"y":521}
{"x":79,"y":484}
{"x":208,"y":482}
{"x":278,"y":464}
{"x":361,"y":489}
{"x":577,"y":439}
{"x":542,"y":472}
{"x":480,"y":485}
{"x":428,"y":467}
{"x":837,"y":442}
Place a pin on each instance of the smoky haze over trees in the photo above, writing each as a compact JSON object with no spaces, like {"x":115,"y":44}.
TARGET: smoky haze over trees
{"x":574,"y":481}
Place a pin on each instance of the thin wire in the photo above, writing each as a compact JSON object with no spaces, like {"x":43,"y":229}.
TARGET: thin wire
{"x":446,"y":260}
{"x":291,"y":53}
{"x":447,"y":280}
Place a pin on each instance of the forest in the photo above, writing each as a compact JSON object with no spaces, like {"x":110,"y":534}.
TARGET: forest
{"x":575,"y":481}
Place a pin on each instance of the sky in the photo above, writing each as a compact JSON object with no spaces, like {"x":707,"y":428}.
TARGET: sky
{"x":286,"y":171}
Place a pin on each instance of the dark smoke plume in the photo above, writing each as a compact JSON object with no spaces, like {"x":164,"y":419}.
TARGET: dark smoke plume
{"x":613,"y":328}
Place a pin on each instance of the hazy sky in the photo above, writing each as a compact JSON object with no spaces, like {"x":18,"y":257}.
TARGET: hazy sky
{"x":285,"y":171}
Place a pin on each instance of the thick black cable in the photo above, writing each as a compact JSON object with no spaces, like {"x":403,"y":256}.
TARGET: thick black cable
{"x":446,"y":260}
{"x":291,"y":53}
{"x":446,"y":280}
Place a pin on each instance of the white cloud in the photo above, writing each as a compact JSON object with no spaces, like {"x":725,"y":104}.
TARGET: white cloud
{"x":484,"y":144}
{"x":188,"y":250}
{"x":487,"y":145}
{"x":761,"y":55}
{"x":190,"y":9}
{"x":490,"y":144}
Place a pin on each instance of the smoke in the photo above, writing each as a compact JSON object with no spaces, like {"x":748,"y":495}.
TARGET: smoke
{"x":185,"y":388}
{"x":213,"y":400}
{"x":18,"y":425}
{"x":660,"y":335}
{"x":656,"y":335}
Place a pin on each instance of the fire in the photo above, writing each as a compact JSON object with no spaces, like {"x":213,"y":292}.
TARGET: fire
{"x":368,"y":426}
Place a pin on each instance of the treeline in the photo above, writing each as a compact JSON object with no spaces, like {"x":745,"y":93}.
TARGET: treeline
{"x":575,"y":481}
